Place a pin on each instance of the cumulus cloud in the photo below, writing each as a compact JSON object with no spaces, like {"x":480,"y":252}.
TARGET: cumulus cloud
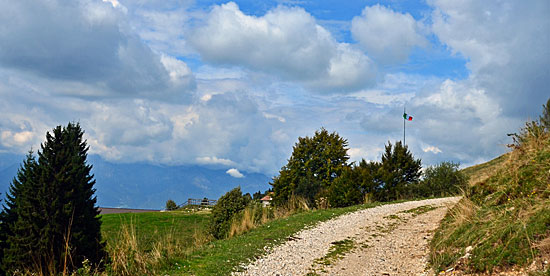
{"x":387,"y":36}
{"x":84,"y":45}
{"x":234,"y":173}
{"x":432,"y":149}
{"x":506,"y":45}
{"x":10,"y":139}
{"x":285,"y":41}
{"x":207,"y":160}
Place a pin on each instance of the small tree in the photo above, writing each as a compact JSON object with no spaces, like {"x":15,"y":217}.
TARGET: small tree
{"x":346,"y":189}
{"x":398,"y":172}
{"x":21,"y":192}
{"x":227,"y":206}
{"x":314,"y":164}
{"x":171,"y":205}
{"x":369,"y":177}
{"x":444,"y":179}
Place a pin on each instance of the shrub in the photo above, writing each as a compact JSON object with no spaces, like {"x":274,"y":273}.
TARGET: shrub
{"x":171,"y":205}
{"x":223,"y":212}
{"x":444,"y":179}
{"x":345,"y":190}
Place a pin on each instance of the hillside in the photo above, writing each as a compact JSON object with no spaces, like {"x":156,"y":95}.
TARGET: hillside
{"x":503,"y":222}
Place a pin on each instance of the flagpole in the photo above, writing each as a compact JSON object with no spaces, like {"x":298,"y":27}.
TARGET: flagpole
{"x":404,"y":125}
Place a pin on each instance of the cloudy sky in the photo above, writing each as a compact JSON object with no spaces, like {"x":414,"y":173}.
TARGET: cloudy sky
{"x":234,"y":84}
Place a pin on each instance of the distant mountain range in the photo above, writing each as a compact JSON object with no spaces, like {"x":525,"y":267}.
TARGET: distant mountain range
{"x":141,"y":185}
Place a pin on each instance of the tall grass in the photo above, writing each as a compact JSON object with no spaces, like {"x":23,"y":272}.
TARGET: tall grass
{"x":130,"y":255}
{"x":255,"y":214}
{"x":505,"y":220}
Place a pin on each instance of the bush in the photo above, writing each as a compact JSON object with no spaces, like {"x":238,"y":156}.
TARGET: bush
{"x":442,"y":180}
{"x":345,"y":190}
{"x":223,"y":212}
{"x":171,"y":205}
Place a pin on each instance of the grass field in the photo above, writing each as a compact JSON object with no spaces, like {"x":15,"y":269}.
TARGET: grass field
{"x":147,"y":243}
{"x":154,"y":226}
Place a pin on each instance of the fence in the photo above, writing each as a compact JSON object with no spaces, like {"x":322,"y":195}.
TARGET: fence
{"x":199,"y":202}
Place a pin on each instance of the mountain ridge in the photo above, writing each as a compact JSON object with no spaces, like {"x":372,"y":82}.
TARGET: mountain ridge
{"x":149,"y":186}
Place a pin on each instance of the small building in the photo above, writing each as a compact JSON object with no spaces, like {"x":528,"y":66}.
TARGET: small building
{"x":266,"y":200}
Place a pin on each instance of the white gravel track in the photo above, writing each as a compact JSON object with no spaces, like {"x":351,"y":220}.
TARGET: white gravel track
{"x":384,"y":244}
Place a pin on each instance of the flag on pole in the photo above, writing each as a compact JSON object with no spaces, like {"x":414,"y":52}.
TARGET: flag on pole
{"x":407,"y":117}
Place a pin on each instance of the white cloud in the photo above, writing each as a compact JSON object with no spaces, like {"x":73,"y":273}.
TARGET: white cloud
{"x":367,"y":152}
{"x":10,"y":139}
{"x":506,"y":45}
{"x":387,"y":36}
{"x":273,"y":116}
{"x":214,"y":161}
{"x":84,"y":48}
{"x":382,"y":97}
{"x":234,"y":173}
{"x":286,"y":42}
{"x":432,"y":149}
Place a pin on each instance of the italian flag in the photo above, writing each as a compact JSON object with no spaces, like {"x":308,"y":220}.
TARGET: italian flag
{"x":407,"y":117}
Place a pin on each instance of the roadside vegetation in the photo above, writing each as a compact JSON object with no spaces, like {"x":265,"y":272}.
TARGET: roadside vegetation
{"x":504,"y":221}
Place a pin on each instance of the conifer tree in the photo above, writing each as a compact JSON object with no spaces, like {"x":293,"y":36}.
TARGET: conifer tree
{"x":20,"y":193}
{"x":398,"y":172}
{"x":58,"y":226}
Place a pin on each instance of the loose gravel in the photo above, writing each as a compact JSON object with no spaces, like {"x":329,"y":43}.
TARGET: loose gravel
{"x":387,"y":240}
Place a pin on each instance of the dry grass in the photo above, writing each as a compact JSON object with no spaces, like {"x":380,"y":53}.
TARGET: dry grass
{"x":480,"y":173}
{"x":256,"y":215}
{"x":463,"y":212}
{"x":504,"y":219}
{"x":243,"y":222}
{"x":129,"y":256}
{"x":544,"y":248}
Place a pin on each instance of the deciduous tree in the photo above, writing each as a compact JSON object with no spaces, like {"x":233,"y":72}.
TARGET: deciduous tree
{"x":314,"y":164}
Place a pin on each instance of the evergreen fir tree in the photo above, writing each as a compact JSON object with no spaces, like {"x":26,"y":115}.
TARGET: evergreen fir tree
{"x":398,"y":172}
{"x":21,"y":191}
{"x":58,"y":226}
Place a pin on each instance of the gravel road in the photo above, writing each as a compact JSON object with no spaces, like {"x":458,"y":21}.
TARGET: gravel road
{"x":386,"y":240}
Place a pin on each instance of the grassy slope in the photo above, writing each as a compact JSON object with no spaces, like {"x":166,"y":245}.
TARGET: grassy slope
{"x":223,"y":256}
{"x":481,"y":172}
{"x":505,"y":220}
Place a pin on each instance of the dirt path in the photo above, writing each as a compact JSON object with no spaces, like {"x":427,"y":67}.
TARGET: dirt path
{"x":386,"y":240}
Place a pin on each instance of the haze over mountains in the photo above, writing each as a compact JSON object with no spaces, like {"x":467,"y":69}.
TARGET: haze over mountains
{"x":141,"y":185}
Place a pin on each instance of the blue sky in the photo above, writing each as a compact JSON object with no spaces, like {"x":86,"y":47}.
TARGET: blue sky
{"x":234,"y":84}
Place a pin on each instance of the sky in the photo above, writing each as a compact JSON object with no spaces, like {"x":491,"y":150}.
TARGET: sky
{"x":234,"y":84}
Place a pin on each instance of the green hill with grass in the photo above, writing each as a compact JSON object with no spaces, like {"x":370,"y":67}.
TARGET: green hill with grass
{"x":503,"y":221}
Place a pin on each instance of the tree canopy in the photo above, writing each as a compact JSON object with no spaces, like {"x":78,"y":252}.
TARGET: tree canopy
{"x":398,"y":172}
{"x":314,"y":164}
